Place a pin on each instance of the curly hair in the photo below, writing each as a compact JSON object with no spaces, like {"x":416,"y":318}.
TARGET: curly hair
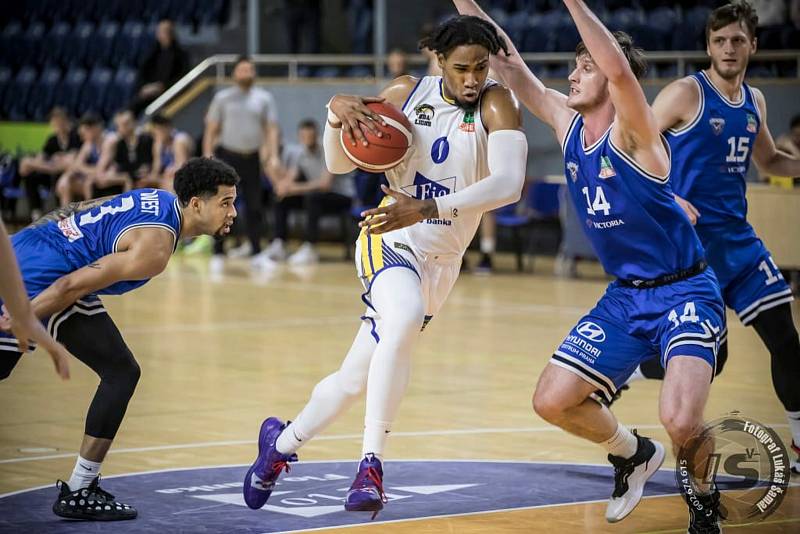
{"x":739,"y":11}
{"x":201,"y":177}
{"x":633,"y":54}
{"x":464,"y":30}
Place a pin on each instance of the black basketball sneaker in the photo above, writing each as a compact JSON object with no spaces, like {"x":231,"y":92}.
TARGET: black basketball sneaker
{"x":704,"y":513}
{"x":630,"y":476}
{"x":90,"y":503}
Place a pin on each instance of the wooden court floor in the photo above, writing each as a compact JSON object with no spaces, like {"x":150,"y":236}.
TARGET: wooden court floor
{"x":220,"y":354}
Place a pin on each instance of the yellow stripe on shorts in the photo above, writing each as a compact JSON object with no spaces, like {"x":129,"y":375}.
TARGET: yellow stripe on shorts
{"x":372,"y":249}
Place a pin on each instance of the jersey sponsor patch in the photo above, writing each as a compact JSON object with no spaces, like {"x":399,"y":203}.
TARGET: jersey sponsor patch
{"x":70,"y":228}
{"x":606,"y":169}
{"x":717,"y":124}
{"x":573,"y":170}
{"x":468,"y":124}
{"x":425,"y":113}
{"x":752,"y":124}
{"x":424,"y":188}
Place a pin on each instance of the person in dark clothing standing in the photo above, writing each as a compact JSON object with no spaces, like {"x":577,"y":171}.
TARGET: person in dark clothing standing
{"x":242,"y":130}
{"x":55,"y":158}
{"x":166,"y":63}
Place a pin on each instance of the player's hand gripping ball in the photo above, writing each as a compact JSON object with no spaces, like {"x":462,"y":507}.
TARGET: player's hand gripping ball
{"x":384,"y":152}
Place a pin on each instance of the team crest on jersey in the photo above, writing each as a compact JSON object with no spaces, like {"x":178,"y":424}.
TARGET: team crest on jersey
{"x":606,"y":169}
{"x":717,"y":125}
{"x":425,"y":113}
{"x":424,"y":188}
{"x":752,"y":124}
{"x":468,"y":124}
{"x":572,"y":167}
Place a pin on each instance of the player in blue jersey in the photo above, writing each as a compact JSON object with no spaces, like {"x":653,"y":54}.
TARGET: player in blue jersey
{"x":109,"y":247}
{"x":715,"y":124}
{"x":665,"y":301}
{"x":25,"y":325}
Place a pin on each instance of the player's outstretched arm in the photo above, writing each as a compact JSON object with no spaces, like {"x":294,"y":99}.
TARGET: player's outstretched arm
{"x":547,"y":105}
{"x":349,"y":114}
{"x":675,"y":107}
{"x":768,"y":158}
{"x":638,"y":124}
{"x":19,"y":318}
{"x":507,"y":155}
{"x":145,"y":255}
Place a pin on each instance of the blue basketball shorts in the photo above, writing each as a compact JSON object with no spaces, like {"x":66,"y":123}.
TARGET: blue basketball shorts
{"x":630,"y":325}
{"x":748,"y":276}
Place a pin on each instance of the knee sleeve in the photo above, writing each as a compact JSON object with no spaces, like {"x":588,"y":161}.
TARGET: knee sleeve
{"x":776,"y":329}
{"x":96,"y":341}
{"x":118,"y":379}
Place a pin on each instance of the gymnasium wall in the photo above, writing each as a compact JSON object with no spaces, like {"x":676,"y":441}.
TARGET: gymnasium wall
{"x":307,"y":99}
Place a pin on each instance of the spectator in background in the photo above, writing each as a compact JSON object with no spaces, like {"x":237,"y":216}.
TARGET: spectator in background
{"x":307,"y":185}
{"x":70,"y":185}
{"x":55,"y":158}
{"x":242,"y":130}
{"x":125,"y":162}
{"x":166,"y":63}
{"x":790,"y":141}
{"x":303,"y":22}
{"x":396,"y":64}
{"x":171,"y":149}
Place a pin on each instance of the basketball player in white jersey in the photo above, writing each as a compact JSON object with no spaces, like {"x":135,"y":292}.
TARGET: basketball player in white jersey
{"x":468,"y":156}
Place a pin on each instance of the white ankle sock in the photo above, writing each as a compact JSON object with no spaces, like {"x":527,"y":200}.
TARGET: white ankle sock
{"x":623,"y":443}
{"x":794,"y":426}
{"x":289,"y":441}
{"x":375,"y":435}
{"x":85,"y":471}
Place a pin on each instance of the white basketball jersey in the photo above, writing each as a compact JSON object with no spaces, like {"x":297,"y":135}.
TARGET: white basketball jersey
{"x":449,"y":153}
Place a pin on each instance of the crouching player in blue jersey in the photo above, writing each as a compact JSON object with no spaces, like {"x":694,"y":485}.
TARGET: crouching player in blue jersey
{"x":715,"y":123}
{"x":665,"y":301}
{"x":109,"y":247}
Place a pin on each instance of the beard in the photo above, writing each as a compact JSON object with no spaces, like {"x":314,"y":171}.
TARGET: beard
{"x":727,"y":72}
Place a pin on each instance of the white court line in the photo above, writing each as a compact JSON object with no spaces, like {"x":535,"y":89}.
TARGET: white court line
{"x":334,"y":437}
{"x":265,"y":324}
{"x":340,"y":460}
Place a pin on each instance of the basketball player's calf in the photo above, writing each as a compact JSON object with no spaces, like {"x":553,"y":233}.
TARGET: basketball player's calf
{"x":776,"y":329}
{"x":563,"y":398}
{"x":96,"y":341}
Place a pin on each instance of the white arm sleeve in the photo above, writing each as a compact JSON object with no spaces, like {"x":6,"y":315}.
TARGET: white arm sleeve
{"x":335,"y":158}
{"x":508,"y":156}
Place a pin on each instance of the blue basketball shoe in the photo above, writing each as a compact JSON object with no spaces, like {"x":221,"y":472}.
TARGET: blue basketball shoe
{"x":260,"y":478}
{"x":366,"y":493}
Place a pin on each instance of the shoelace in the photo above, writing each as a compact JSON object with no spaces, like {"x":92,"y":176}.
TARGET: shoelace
{"x":280,"y":465}
{"x":371,"y":475}
{"x":622,"y":470}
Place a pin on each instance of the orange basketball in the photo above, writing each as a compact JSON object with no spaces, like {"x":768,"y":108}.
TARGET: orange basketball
{"x":386,"y":152}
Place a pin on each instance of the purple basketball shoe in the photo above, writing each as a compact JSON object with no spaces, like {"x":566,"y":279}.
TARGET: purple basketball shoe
{"x":366,"y":494}
{"x":260,"y":478}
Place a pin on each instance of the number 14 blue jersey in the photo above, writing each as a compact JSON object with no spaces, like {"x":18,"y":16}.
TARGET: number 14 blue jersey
{"x":630,"y":215}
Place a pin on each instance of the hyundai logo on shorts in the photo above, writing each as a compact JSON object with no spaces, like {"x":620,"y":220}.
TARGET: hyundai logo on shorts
{"x":591,"y":331}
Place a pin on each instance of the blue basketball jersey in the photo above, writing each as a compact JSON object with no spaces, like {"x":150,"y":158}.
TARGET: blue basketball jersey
{"x":630,"y":215}
{"x":711,"y":154}
{"x":86,"y":236}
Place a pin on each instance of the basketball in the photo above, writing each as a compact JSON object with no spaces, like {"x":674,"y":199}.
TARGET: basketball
{"x":386,"y":152}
